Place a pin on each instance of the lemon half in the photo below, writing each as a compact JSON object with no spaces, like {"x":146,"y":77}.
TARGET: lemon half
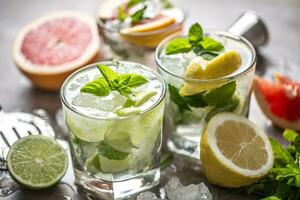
{"x":235,"y":152}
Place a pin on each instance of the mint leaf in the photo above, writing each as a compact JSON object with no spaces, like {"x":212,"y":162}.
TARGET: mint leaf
{"x":110,"y":153}
{"x":165,"y":160}
{"x":138,"y":15}
{"x":208,"y":55}
{"x":220,"y":95}
{"x":128,"y":103}
{"x":178,"y":45}
{"x":132,"y":3}
{"x":135,"y":80}
{"x":166,"y":4}
{"x":97,"y":87}
{"x":195,"y":33}
{"x":289,"y":135}
{"x":121,"y":14}
{"x":124,"y":79}
{"x":281,"y":156}
{"x":196,"y":100}
{"x":296,"y":143}
{"x":108,"y":74}
{"x":289,"y":174}
{"x":124,"y":90}
{"x":177,"y":99}
{"x":209,"y":44}
{"x":230,"y":106}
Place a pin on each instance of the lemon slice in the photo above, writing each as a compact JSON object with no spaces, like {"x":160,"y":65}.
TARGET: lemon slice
{"x":199,"y":68}
{"x":234,"y":151}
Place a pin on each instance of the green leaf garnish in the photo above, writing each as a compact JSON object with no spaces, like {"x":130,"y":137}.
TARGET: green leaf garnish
{"x":121,"y":13}
{"x":110,"y":153}
{"x":207,"y":55}
{"x":196,"y":100}
{"x":283,"y":180}
{"x":177,"y":99}
{"x":178,"y":45}
{"x":113,"y":81}
{"x":289,"y":135}
{"x":138,"y":15}
{"x":230,"y":106}
{"x":97,"y":87}
{"x":281,"y":156}
{"x":135,"y":80}
{"x":166,"y":4}
{"x":108,"y":74}
{"x":195,"y":33}
{"x":206,"y":47}
{"x":220,"y":95}
{"x":209,"y":44}
{"x":132,"y":3}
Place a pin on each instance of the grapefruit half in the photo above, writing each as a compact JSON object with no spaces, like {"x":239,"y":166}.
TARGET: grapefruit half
{"x":280,"y":100}
{"x":50,"y":48}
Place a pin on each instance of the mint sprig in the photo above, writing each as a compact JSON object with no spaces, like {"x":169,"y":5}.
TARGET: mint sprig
{"x":221,"y":99}
{"x":110,"y":80}
{"x":98,"y":87}
{"x":138,"y":15}
{"x":206,"y":47}
{"x":283,"y":180}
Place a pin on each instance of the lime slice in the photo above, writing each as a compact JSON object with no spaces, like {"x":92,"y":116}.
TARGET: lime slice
{"x":92,"y":164}
{"x":128,"y":111}
{"x":88,"y":130}
{"x":113,"y":166}
{"x":148,"y":127}
{"x":37,"y":162}
{"x":118,"y":138}
{"x":142,"y":97}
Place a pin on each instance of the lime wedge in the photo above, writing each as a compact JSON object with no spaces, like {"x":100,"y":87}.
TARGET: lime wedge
{"x":37,"y":162}
{"x":128,"y":111}
{"x":118,"y":137}
{"x":92,"y":164}
{"x":113,"y":166}
{"x":88,"y":130}
{"x":142,"y":97}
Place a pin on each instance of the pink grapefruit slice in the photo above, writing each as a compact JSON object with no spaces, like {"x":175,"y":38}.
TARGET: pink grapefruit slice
{"x":50,"y":48}
{"x":280,"y":101}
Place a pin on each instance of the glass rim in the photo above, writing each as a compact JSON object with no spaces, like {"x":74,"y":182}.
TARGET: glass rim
{"x":149,"y":33}
{"x":223,"y":78}
{"x":144,"y":67}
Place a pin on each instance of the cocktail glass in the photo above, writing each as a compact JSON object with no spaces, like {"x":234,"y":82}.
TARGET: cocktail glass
{"x":185,"y":125}
{"x":113,"y":156}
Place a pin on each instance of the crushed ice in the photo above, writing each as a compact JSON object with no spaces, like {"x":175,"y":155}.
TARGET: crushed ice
{"x":176,"y":191}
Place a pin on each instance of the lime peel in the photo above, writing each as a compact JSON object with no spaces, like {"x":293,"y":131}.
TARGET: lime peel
{"x":37,"y":162}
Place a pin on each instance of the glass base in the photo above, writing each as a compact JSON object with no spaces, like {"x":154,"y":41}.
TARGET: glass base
{"x":94,"y":188}
{"x":188,"y":146}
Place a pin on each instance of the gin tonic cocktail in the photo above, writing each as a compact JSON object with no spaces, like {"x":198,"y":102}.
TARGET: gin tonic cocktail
{"x":113,"y":112}
{"x":206,"y":74}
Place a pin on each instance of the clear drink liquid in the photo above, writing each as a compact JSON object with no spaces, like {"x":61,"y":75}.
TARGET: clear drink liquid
{"x":114,"y":156}
{"x":185,"y":128}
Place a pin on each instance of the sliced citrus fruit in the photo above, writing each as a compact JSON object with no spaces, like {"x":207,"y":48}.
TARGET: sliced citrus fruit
{"x":280,"y":101}
{"x":118,"y":137}
{"x":154,"y":24}
{"x":50,"y":48}
{"x":113,"y":166}
{"x":143,"y":97}
{"x":151,"y":32}
{"x":199,"y":68}
{"x":37,"y":162}
{"x":235,"y":152}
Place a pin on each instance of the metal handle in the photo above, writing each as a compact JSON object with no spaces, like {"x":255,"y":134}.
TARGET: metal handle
{"x":250,"y":26}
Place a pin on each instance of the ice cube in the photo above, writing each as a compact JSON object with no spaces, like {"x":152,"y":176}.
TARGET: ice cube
{"x":108,"y":103}
{"x":147,"y":196}
{"x":176,"y":191}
